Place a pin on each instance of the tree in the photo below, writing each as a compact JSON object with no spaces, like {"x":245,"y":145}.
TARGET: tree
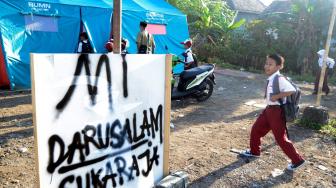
{"x":301,"y":32}
{"x":311,"y":20}
{"x":208,"y":18}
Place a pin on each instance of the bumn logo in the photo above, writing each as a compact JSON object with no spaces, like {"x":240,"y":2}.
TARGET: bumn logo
{"x":39,"y":6}
{"x":155,"y":16}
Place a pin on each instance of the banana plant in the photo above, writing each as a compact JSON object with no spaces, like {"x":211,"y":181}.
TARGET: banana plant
{"x":209,"y":18}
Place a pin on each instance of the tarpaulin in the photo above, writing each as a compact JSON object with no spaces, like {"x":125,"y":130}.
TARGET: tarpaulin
{"x":155,"y":12}
{"x":99,"y":34}
{"x":4,"y":82}
{"x":46,"y":26}
{"x":53,"y":26}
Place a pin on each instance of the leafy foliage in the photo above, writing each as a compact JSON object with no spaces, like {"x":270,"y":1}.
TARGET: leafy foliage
{"x":328,"y":129}
{"x":211,"y":18}
{"x":297,"y":34}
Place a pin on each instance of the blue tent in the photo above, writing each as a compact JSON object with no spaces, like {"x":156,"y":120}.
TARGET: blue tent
{"x":157,"y":13}
{"x":47,"y":26}
{"x":53,"y":26}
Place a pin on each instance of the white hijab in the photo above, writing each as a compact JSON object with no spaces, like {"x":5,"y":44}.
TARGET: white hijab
{"x":330,"y":61}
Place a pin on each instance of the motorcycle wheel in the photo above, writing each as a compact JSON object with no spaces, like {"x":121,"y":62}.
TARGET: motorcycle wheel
{"x":207,"y":92}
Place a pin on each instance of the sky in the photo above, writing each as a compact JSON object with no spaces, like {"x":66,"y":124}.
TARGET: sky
{"x":267,"y":2}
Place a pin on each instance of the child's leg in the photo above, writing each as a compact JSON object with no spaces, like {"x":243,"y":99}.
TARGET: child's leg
{"x":317,"y":80}
{"x":260,"y":129}
{"x":325,"y":87}
{"x":277,"y":124}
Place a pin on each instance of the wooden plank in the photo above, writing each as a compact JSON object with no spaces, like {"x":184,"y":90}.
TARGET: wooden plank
{"x":117,"y":26}
{"x":325,"y":56}
{"x":168,"y":69}
{"x":34,"y":117}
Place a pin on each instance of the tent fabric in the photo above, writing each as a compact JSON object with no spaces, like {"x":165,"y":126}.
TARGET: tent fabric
{"x":159,"y":6}
{"x":53,"y":26}
{"x":96,"y":31}
{"x":47,"y":26}
{"x":83,"y":3}
{"x":155,"y":12}
{"x":19,"y":41}
{"x":4,"y":82}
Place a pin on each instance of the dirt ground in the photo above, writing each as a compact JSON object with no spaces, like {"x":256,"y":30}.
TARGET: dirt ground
{"x":201,"y":141}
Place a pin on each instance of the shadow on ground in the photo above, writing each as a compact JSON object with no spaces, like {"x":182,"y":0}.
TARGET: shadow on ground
{"x":210,"y":179}
{"x":23,"y":133}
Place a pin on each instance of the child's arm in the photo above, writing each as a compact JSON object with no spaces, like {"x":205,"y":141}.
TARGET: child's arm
{"x":281,"y":95}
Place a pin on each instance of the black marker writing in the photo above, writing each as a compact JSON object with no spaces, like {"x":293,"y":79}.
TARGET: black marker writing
{"x":84,"y":62}
{"x":124,"y":64}
{"x":116,"y":135}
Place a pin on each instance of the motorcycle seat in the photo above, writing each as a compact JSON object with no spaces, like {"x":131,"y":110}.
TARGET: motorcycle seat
{"x":196,"y":71}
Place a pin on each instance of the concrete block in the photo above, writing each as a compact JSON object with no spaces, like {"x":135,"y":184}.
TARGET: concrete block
{"x":176,"y":180}
{"x":318,"y":115}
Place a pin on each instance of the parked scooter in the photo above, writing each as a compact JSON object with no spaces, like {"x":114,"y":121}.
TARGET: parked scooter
{"x":197,"y":82}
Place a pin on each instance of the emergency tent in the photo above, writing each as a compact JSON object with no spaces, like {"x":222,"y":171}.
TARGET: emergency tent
{"x":167,"y":24}
{"x":53,"y":26}
{"x":47,"y":26}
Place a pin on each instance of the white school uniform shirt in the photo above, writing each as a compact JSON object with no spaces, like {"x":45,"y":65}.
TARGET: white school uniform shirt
{"x":330,"y":62}
{"x":80,"y":46}
{"x":284,"y":86}
{"x":189,"y":57}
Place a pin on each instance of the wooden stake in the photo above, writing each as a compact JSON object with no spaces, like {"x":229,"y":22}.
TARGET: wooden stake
{"x":325,"y":56}
{"x":168,"y":69}
{"x":34,"y":118}
{"x":117,"y":8}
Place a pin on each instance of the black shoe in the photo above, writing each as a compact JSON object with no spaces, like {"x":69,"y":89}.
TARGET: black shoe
{"x":293,"y":167}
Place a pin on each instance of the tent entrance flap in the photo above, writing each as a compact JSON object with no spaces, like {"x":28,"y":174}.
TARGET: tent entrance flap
{"x":4,"y":81}
{"x":97,"y":26}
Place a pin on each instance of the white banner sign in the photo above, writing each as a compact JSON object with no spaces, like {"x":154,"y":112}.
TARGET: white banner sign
{"x":99,"y":119}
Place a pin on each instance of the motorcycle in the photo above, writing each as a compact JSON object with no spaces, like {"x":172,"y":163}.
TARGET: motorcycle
{"x":196,"y":82}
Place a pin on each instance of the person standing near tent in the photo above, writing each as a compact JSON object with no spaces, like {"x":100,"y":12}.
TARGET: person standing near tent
{"x":109,"y":45}
{"x":330,"y":65}
{"x":145,"y":41}
{"x":84,"y":45}
{"x":189,"y":59}
{"x":124,"y":46}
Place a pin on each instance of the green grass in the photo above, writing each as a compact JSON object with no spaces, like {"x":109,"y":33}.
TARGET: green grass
{"x":311,"y":78}
{"x":307,"y":78}
{"x":229,"y":66}
{"x":222,"y":64}
{"x":328,"y":129}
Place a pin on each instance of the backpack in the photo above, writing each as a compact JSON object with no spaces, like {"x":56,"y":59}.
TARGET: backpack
{"x":291,"y":108}
{"x":195,"y":63}
{"x":86,"y":47}
{"x":329,"y":70}
{"x":195,"y":59}
{"x":144,"y":49}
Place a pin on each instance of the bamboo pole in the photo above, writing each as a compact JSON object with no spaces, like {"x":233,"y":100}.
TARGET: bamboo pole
{"x":36,"y":151}
{"x":325,"y":56}
{"x":166,"y":143}
{"x":117,"y":8}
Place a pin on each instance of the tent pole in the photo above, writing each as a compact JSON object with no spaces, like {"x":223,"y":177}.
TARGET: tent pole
{"x":117,"y":26}
{"x":325,"y":56}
